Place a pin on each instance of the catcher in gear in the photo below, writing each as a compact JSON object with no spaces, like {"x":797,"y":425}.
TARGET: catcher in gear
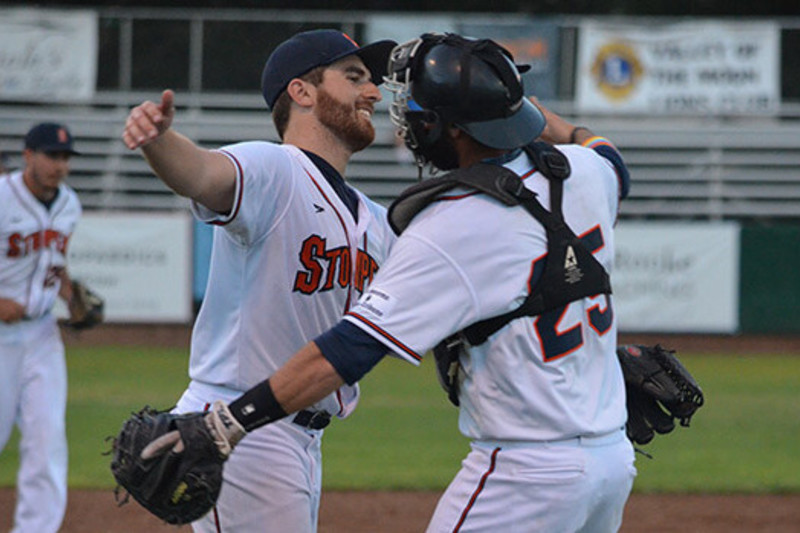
{"x":86,"y":308}
{"x":172,"y":464}
{"x":658,"y":389}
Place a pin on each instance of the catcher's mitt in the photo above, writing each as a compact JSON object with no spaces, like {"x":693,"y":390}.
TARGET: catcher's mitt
{"x":85,"y":308}
{"x":181,"y":482}
{"x":659,"y":390}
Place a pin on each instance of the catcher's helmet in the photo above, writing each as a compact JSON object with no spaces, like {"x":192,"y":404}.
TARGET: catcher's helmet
{"x":473,"y":84}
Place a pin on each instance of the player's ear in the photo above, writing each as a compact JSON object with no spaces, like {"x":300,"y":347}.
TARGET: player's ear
{"x":301,"y":92}
{"x":454,"y":132}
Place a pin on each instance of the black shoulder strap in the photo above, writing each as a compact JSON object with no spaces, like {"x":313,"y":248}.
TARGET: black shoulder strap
{"x":496,"y":181}
{"x":571,"y":272}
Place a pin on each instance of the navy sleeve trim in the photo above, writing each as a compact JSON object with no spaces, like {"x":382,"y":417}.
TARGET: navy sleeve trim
{"x":350,"y":350}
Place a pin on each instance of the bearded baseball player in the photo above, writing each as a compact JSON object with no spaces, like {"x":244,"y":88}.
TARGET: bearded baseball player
{"x":39,"y":213}
{"x":294,"y":248}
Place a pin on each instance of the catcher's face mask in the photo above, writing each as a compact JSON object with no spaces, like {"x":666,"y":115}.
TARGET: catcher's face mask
{"x":419,"y":128}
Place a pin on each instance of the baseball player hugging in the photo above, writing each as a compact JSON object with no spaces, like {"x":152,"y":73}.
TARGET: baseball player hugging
{"x":294,"y":247}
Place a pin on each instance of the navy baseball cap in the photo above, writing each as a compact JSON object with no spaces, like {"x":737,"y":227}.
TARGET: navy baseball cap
{"x":50,"y":137}
{"x":310,"y":49}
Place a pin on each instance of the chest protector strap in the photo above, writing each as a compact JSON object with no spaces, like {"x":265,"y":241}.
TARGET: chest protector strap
{"x":570,"y":273}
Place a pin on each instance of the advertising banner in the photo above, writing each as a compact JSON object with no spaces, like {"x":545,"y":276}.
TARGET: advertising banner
{"x":47,"y":55}
{"x":141,"y":264}
{"x":689,"y":68}
{"x":677,"y":277}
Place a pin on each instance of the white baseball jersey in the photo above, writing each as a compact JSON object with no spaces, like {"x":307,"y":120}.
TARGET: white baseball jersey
{"x":466,"y":258}
{"x":33,"y":373}
{"x":33,"y":244}
{"x":287,"y":262}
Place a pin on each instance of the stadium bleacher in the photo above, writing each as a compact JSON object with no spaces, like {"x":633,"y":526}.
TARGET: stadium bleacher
{"x":704,"y":168}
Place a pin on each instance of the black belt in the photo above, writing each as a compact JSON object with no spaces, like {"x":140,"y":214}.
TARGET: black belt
{"x":312,"y":419}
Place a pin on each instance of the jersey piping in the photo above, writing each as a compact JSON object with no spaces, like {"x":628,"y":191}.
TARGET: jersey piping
{"x":478,"y":490}
{"x":346,"y":235}
{"x":238,"y":193}
{"x":389,"y":339}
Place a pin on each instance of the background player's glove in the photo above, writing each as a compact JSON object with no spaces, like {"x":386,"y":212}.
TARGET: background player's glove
{"x":172,"y":464}
{"x":659,"y":390}
{"x":85,"y":308}
{"x":447,"y":354}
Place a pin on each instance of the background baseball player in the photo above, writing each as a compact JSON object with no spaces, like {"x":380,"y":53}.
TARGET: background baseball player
{"x":39,"y":213}
{"x":543,"y":398}
{"x":294,"y":247}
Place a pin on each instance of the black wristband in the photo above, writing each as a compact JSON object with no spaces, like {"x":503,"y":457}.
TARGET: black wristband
{"x":573,"y":135}
{"x":257,"y":407}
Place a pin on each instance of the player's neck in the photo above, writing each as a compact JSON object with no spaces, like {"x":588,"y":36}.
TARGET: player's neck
{"x":470,"y":152}
{"x":320,"y":142}
{"x":39,"y":191}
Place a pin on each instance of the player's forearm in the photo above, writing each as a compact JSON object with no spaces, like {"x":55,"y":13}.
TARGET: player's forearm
{"x":559,"y":130}
{"x":191,"y":171}
{"x":65,"y":290}
{"x":303,"y":381}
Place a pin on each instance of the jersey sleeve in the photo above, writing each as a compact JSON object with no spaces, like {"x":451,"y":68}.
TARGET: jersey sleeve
{"x":350,"y":350}
{"x":435,"y":280}
{"x":608,"y":151}
{"x":263,"y":190}
{"x":417,"y":298}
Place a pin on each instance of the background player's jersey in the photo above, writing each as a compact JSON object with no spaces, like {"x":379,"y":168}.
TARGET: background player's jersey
{"x":33,"y":244}
{"x":550,"y":377}
{"x":287,"y":262}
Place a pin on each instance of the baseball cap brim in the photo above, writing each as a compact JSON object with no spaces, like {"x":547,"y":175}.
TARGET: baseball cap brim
{"x":520,"y":129}
{"x":375,"y":57}
{"x":54,"y":148}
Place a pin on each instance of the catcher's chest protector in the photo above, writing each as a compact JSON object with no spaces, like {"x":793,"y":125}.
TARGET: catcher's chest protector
{"x":570,"y":273}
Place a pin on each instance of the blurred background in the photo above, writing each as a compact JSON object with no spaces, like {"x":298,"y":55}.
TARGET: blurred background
{"x":701,"y":97}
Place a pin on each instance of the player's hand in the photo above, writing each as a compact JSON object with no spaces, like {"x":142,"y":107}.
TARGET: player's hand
{"x":11,"y":311}
{"x":147,"y":121}
{"x":557,"y":130}
{"x":220,"y":424}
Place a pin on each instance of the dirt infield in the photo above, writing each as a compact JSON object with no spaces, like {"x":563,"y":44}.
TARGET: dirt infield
{"x":408,"y":512}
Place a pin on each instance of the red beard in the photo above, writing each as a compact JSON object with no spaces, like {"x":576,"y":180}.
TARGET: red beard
{"x":342,"y":119}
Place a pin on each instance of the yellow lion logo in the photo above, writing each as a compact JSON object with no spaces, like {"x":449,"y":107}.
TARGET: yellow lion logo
{"x":617,"y":70}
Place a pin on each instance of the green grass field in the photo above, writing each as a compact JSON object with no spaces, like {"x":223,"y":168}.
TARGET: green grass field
{"x":404,"y":434}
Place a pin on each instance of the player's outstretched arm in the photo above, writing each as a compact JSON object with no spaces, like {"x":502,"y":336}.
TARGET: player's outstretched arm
{"x":205,"y":176}
{"x":558,"y":130}
{"x":304,"y":380}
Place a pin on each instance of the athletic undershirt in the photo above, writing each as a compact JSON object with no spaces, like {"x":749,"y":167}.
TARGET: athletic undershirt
{"x":49,"y":203}
{"x":343,"y":191}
